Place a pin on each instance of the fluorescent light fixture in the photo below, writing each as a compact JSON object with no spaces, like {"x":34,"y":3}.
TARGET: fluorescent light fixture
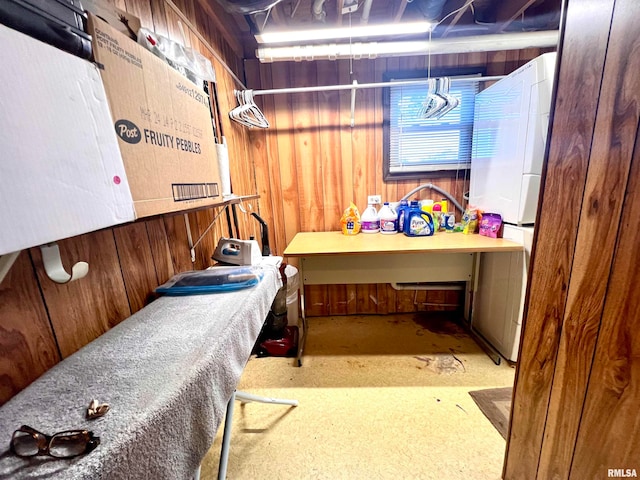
{"x":482,"y":43}
{"x":283,"y":36}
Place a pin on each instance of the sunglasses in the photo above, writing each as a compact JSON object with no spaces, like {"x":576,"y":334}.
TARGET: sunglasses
{"x":28,"y":442}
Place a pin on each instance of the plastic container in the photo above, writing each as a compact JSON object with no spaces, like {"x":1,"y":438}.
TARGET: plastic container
{"x":418,"y":223}
{"x":402,"y":211}
{"x":388,"y":220}
{"x":412,"y":206}
{"x":427,"y":205}
{"x":449,"y":221}
{"x":293,"y":287}
{"x":437,"y":217}
{"x":369,"y":220}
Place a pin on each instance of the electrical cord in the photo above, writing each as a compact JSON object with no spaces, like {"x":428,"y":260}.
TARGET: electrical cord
{"x":454,"y":12}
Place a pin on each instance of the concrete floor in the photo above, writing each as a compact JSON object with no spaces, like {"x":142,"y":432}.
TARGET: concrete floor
{"x":381,"y":397}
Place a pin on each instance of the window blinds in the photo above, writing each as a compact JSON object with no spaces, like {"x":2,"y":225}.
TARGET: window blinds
{"x":426,"y":145}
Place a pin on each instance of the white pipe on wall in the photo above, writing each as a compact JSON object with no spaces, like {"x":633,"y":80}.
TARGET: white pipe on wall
{"x":426,"y":286}
{"x":483,"y":43}
{"x":366,"y":9}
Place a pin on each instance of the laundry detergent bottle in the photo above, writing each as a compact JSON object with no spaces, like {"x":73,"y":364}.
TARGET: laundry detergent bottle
{"x":388,"y":220}
{"x":369,"y":220}
{"x":418,"y":223}
{"x":402,"y":213}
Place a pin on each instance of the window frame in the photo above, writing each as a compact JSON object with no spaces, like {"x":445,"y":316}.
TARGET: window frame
{"x":404,"y":75}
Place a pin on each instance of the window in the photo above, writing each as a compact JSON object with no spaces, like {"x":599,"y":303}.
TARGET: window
{"x":416,"y":147}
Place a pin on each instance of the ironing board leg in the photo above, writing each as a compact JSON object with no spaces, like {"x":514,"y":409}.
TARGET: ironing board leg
{"x":244,"y":397}
{"x":226,"y":439}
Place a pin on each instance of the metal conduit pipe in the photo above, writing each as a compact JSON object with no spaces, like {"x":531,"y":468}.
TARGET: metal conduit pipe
{"x":437,"y":189}
{"x":426,"y":286}
{"x":366,"y":9}
{"x":431,"y":9}
{"x":317,"y":9}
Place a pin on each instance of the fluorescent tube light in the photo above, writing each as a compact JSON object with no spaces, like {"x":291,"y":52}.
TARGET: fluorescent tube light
{"x":409,"y":28}
{"x":370,"y":50}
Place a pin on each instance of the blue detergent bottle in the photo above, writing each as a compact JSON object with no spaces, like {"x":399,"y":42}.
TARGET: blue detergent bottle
{"x":418,"y":223}
{"x":402,"y":213}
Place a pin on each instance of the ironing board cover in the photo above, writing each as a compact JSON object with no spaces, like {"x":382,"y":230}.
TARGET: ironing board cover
{"x":167,"y":373}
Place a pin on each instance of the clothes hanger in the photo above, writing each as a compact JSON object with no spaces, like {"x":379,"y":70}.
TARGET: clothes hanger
{"x":434,"y":101}
{"x":247,"y":113}
{"x":451,"y":101}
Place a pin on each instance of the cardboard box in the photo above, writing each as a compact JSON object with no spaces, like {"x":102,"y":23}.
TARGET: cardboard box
{"x":163,"y":123}
{"x":61,"y":173}
{"x":124,"y":22}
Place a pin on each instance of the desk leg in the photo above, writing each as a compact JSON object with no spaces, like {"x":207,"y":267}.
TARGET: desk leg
{"x":469,"y":301}
{"x":303,"y":315}
{"x":471,"y":290}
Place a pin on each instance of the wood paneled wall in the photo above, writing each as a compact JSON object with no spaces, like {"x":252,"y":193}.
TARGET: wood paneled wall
{"x":310,"y":164}
{"x":575,"y":410}
{"x":42,"y":322}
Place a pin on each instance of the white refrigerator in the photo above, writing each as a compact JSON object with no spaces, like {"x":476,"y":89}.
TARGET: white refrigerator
{"x":510,"y":132}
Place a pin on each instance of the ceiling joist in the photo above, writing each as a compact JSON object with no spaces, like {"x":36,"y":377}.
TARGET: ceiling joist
{"x":511,"y":11}
{"x":401,"y":8}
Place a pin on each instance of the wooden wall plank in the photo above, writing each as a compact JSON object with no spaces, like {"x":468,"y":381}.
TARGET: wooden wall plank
{"x":271,"y":196}
{"x":284,"y":123}
{"x":573,"y":121}
{"x":307,"y":149}
{"x":142,"y":10}
{"x":609,"y":435}
{"x":173,"y":26}
{"x":333,"y":200}
{"x":160,"y":251}
{"x":176,"y":229}
{"x":347,"y":156}
{"x":364,"y":167}
{"x":136,"y":261}
{"x":83,"y":310}
{"x":27,"y":343}
{"x":609,"y":163}
{"x":159,"y":17}
{"x":258,"y":139}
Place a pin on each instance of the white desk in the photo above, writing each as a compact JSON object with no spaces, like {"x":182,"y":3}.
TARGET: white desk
{"x":329,"y":258}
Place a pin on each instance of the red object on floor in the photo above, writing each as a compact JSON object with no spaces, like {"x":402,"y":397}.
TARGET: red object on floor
{"x":281,"y":347}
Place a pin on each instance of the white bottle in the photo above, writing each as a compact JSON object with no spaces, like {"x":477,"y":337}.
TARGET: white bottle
{"x":369,"y":220}
{"x":388,"y":220}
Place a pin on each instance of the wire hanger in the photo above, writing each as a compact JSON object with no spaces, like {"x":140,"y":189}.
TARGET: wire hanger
{"x":247,"y":113}
{"x":438,"y":101}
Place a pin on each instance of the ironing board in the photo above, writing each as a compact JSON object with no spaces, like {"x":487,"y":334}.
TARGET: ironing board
{"x":168,"y":372}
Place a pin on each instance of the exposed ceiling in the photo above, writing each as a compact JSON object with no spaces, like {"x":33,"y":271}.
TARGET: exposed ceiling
{"x":454,"y":18}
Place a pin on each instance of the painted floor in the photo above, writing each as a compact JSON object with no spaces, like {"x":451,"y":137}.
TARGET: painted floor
{"x":381,"y":397}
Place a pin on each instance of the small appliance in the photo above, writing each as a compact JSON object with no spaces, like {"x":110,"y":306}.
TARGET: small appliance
{"x":233,"y":251}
